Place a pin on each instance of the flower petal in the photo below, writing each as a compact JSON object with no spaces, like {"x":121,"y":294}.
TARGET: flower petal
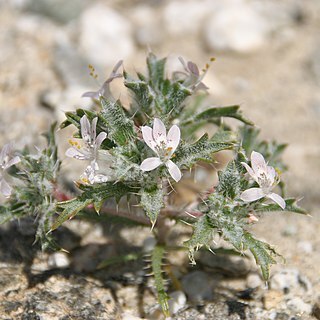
{"x":159,"y":131}
{"x":12,"y":162}
{"x":258,"y":163}
{"x":174,"y":170}
{"x":252,"y":194}
{"x":148,"y":137}
{"x":277,"y":199}
{"x":101,"y":136}
{"x":150,"y":164}
{"x":173,"y":138}
{"x":85,"y":129}
{"x":271,"y":173}
{"x":74,"y":153}
{"x":249,"y":170}
{"x":93,"y":131}
{"x":5,"y":189}
{"x":5,"y":152}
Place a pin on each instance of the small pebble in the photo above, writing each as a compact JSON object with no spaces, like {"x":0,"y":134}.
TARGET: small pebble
{"x":58,"y":260}
{"x":177,"y":301}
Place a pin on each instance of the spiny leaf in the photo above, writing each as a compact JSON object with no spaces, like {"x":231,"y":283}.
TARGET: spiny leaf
{"x":156,"y":71}
{"x":262,"y":252}
{"x":5,"y":215}
{"x":121,"y":128}
{"x":143,"y":94}
{"x":152,"y":202}
{"x":291,"y":206}
{"x":212,"y":113}
{"x":229,"y":181}
{"x":156,"y":262}
{"x":202,"y":236}
{"x":91,"y":194}
{"x":188,"y":154}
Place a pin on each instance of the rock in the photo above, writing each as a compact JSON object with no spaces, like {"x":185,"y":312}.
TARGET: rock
{"x":236,"y":26}
{"x":58,"y":260}
{"x":272,"y":299}
{"x":254,"y":280}
{"x":198,"y":286}
{"x":186,"y":23}
{"x":105,"y":35}
{"x":288,"y":280}
{"x":305,"y":247}
{"x":148,"y":244}
{"x":147,"y":30}
{"x":177,"y":301}
{"x":316,"y":309}
{"x":227,"y":264}
{"x":297,"y":305}
{"x":59,"y":10}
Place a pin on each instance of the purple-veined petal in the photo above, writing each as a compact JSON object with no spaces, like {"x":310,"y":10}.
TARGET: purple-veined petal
{"x":271,"y":173}
{"x":249,"y":170}
{"x":148,"y":137}
{"x":91,"y":94}
{"x":185,"y":67}
{"x":174,"y":170}
{"x":93,"y":131}
{"x":193,"y":68}
{"x":173,"y":138}
{"x":277,"y":199}
{"x":101,"y":136}
{"x":159,"y":131}
{"x":77,"y":154}
{"x":150,"y":164}
{"x":5,"y":189}
{"x":252,"y":194}
{"x":12,"y":162}
{"x":6,"y":150}
{"x":85,"y":129}
{"x":258,"y":163}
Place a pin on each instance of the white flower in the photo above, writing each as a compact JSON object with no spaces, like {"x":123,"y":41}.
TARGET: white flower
{"x":163,"y":145}
{"x":5,"y":163}
{"x":88,"y":150}
{"x":265,"y":176}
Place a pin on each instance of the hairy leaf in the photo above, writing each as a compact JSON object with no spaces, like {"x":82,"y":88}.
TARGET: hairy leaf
{"x":156,"y":71}
{"x":202,"y":236}
{"x":229,"y":181}
{"x":152,"y":202}
{"x":156,"y":263}
{"x":291,"y":206}
{"x":213,"y":113}
{"x":91,"y":194}
{"x":121,"y":128}
{"x":188,"y":154}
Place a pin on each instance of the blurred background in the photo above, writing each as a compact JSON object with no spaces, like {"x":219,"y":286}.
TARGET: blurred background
{"x":267,"y":60}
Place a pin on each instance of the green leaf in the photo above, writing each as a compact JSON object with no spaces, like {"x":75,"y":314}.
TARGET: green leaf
{"x":212,"y":113}
{"x":156,"y":69}
{"x":202,"y":236}
{"x":203,"y":149}
{"x":5,"y":215}
{"x":152,"y":202}
{"x":156,"y":263}
{"x":175,"y":97}
{"x":91,"y":194}
{"x":229,"y":181}
{"x":121,"y":128}
{"x":291,"y":206}
{"x":262,"y":252}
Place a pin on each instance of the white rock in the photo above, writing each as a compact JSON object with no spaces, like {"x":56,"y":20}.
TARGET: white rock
{"x":58,"y":260}
{"x":236,"y":26}
{"x":305,"y":246}
{"x":254,"y":280}
{"x":105,"y":35}
{"x":185,"y":18}
{"x":297,"y":305}
{"x":148,"y":244}
{"x":147,"y":30}
{"x":177,"y":301}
